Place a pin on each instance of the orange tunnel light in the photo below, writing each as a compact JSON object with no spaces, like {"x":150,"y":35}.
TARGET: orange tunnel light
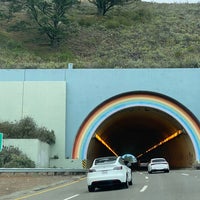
{"x":177,"y":133}
{"x":105,"y":144}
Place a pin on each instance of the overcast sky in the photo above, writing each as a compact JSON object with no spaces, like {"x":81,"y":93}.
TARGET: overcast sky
{"x":173,"y":1}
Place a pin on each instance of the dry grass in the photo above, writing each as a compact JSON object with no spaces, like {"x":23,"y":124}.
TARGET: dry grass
{"x":135,"y":36}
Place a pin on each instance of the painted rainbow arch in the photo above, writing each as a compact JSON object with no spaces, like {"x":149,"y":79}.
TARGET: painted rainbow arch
{"x":136,"y":99}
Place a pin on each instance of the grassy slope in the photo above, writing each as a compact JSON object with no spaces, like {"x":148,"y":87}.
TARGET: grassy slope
{"x":135,"y":36}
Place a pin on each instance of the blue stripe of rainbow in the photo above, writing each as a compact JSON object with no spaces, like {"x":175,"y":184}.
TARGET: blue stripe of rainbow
{"x":88,"y":129}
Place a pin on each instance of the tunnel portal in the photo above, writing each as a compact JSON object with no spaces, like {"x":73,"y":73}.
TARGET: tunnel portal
{"x":135,"y":130}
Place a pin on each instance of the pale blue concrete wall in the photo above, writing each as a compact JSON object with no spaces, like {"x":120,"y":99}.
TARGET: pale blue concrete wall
{"x":61,"y":99}
{"x":88,"y":88}
{"x":36,"y":94}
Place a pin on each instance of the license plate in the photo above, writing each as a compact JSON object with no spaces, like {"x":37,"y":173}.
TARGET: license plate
{"x":104,"y":172}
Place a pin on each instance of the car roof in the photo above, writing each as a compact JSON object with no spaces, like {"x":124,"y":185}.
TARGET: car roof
{"x":153,"y":159}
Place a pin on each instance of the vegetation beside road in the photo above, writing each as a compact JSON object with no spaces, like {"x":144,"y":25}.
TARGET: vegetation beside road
{"x":138,"y":35}
{"x":11,"y":157}
{"x":26,"y":128}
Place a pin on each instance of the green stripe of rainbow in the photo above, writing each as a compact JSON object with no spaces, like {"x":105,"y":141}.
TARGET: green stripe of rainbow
{"x":162,"y":103}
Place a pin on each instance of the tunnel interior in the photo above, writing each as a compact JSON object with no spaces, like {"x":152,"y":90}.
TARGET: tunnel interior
{"x":135,"y":130}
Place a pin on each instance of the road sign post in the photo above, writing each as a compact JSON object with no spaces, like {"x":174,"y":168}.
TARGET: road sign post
{"x":1,"y":141}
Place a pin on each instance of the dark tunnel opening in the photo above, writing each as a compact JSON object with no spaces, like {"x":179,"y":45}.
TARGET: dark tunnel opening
{"x":135,"y":130}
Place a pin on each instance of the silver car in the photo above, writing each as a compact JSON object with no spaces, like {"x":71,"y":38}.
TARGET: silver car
{"x":158,"y":164}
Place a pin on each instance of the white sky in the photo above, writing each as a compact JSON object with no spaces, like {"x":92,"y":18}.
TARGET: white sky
{"x":173,"y":1}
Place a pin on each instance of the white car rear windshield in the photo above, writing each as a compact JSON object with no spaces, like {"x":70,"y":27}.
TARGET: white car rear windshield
{"x":159,"y":160}
{"x":109,"y":160}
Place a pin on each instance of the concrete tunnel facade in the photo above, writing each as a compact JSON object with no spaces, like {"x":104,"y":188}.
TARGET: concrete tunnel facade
{"x":142,"y":123}
{"x":130,"y":109}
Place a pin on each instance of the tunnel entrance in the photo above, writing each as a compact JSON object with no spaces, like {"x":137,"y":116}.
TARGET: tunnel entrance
{"x":144,"y":124}
{"x":144,"y":132}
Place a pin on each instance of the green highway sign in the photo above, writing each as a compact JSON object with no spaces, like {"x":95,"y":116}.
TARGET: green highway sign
{"x":1,"y":141}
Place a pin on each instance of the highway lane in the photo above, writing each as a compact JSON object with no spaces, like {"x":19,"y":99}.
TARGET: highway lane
{"x":175,"y":185}
{"x":180,"y":185}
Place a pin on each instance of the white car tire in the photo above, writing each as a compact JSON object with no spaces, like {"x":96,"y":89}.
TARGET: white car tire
{"x":125,"y":184}
{"x":91,"y":188}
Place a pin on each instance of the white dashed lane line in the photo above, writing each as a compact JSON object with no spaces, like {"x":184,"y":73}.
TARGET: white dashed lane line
{"x":72,"y":197}
{"x":144,"y":188}
{"x":185,"y":174}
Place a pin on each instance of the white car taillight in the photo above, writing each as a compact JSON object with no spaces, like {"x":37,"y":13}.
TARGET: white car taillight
{"x":118,"y":168}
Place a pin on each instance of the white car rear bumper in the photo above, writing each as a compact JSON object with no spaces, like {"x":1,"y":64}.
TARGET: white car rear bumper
{"x":97,"y":177}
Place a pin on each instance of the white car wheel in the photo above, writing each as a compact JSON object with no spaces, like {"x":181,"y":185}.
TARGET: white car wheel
{"x":91,"y":188}
{"x":131,"y":181}
{"x":126,"y":184}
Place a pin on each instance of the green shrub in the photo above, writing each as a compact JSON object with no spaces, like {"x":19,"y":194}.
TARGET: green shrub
{"x":112,"y":24}
{"x":87,"y":21}
{"x":46,"y":136}
{"x":12,"y":157}
{"x":28,"y":129}
{"x":142,"y":14}
{"x":19,"y":26}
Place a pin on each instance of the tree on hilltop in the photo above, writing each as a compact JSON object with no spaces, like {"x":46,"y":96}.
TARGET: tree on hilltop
{"x":49,"y":15}
{"x":104,"y":6}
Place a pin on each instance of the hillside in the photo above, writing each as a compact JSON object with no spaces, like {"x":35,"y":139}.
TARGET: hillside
{"x":142,"y":35}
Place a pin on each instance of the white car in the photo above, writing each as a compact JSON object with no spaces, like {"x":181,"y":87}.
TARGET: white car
{"x":158,"y":164}
{"x":108,"y":171}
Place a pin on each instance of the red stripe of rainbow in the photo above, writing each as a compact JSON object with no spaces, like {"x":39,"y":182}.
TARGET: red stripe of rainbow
{"x":188,"y":121}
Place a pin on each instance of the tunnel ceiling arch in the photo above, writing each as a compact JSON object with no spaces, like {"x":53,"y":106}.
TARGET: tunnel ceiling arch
{"x":136,"y":99}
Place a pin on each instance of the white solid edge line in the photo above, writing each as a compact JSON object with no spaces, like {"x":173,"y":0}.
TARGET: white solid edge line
{"x":144,"y":188}
{"x":72,"y":197}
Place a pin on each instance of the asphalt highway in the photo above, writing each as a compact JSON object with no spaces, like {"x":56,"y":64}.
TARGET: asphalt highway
{"x":175,"y":185}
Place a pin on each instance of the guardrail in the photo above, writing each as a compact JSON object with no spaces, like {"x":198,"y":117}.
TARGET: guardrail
{"x":43,"y":170}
